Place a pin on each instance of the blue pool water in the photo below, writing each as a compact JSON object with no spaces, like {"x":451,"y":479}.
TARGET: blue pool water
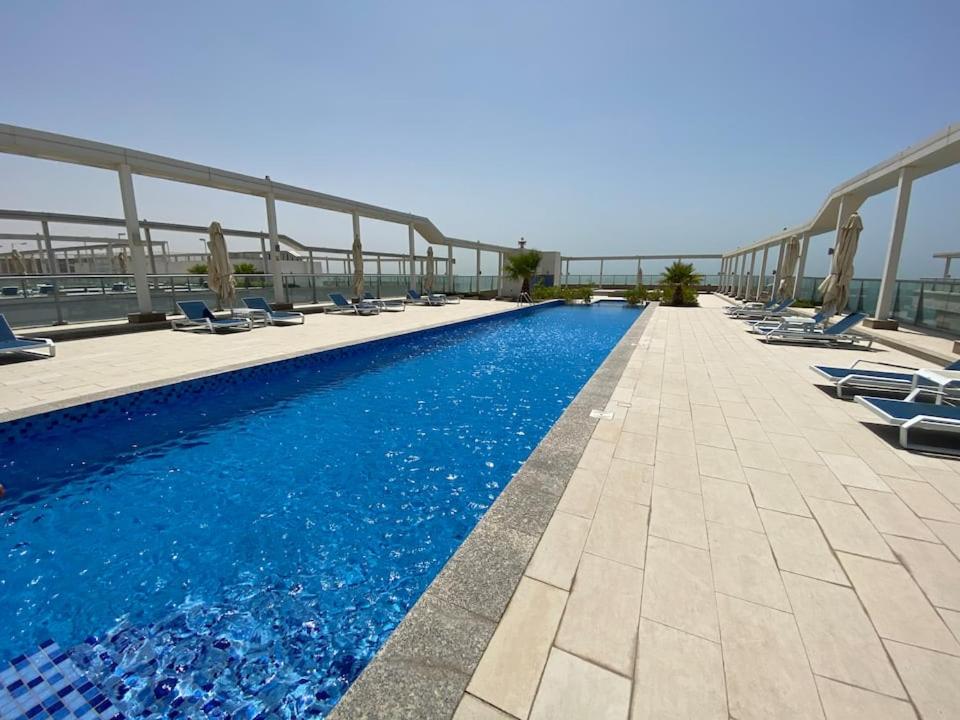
{"x":243,"y":549}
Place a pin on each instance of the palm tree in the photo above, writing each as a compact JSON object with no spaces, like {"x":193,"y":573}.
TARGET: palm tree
{"x":680,"y":276}
{"x":522,"y":266}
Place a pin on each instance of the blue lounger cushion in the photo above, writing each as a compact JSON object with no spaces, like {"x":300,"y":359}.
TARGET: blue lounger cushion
{"x":898,"y":412}
{"x":10,"y":343}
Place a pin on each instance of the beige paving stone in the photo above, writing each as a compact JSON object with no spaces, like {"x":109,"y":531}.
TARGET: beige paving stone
{"x":608,"y":430}
{"x":839,"y":639}
{"x":745,"y":429}
{"x":853,"y":471}
{"x":673,"y":418}
{"x":510,"y":668}
{"x":775,"y":491}
{"x":827,"y":441}
{"x":471,"y":708}
{"x":925,"y":500}
{"x":896,"y":605}
{"x":642,"y":422}
{"x":630,"y":481}
{"x":574,"y":689}
{"x":848,"y":529}
{"x":948,"y":533}
{"x":678,"y":442}
{"x":947,"y":482}
{"x":738,"y":410}
{"x":932,"y":679}
{"x":817,"y":481}
{"x":743,"y":566}
{"x":706,"y":414}
{"x":799,"y":546}
{"x":720,"y":463}
{"x":677,"y":471}
{"x":678,"y":515}
{"x":558,"y":554}
{"x":677,"y":676}
{"x":758,"y":454}
{"x":729,"y":503}
{"x":845,"y":702}
{"x":952,"y":619}
{"x":675,"y":400}
{"x":793,"y":447}
{"x":678,"y":588}
{"x":889,"y":514}
{"x":619,"y":531}
{"x":582,"y":493}
{"x":713,"y":435}
{"x":597,"y":455}
{"x":765,"y":664}
{"x":638,"y":448}
{"x":934,"y":568}
{"x":600,"y":622}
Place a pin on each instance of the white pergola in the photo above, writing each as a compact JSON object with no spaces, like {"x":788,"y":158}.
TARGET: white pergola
{"x":126,"y":163}
{"x":932,"y":155}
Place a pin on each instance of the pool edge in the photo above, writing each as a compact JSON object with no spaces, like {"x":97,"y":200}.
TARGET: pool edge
{"x":423,"y":668}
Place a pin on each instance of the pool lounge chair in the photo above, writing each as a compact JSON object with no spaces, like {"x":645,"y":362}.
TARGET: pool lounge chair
{"x":342,"y":305}
{"x":909,"y":416}
{"x":197,"y":316}
{"x":751,"y":306}
{"x":834,"y":336}
{"x":858,"y":378}
{"x":10,"y":344}
{"x":273,"y":317}
{"x":385,"y":305}
{"x":787,"y":322}
{"x":431,"y":299}
{"x":762,"y":314}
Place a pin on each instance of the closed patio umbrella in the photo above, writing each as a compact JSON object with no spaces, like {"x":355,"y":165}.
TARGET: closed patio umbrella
{"x":836,"y":286}
{"x":788,"y":268}
{"x":357,"y":252}
{"x":219,"y":270}
{"x":431,"y":270}
{"x":19,"y":266}
{"x":122,"y":261}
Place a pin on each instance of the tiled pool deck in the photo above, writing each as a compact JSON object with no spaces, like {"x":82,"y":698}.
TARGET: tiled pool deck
{"x":735,"y":543}
{"x":732,"y":543}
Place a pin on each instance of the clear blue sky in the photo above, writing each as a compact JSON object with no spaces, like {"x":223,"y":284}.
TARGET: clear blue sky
{"x":586,"y":127}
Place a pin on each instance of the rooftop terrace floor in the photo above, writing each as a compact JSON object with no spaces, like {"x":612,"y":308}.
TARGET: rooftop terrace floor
{"x":93,"y":368}
{"x":735,"y":543}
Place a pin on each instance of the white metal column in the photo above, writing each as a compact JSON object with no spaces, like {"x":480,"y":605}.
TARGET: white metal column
{"x":411,"y":241}
{"x":137,"y":257}
{"x":600,"y":284}
{"x":478,"y":269}
{"x":741,"y":285}
{"x":888,"y":282}
{"x":751,"y":278}
{"x":763,"y":272}
{"x":776,"y":280}
{"x":499,"y":274}
{"x":801,"y":264}
{"x":450,"y":268}
{"x":278,"y":292}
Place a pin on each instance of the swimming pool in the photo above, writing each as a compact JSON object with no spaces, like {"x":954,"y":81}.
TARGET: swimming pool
{"x":242,"y":545}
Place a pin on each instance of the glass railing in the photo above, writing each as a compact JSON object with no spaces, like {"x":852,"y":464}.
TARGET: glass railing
{"x":38,"y":300}
{"x":624,"y":281}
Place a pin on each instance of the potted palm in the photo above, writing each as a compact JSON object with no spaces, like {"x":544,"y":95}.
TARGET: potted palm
{"x":522,"y":266}
{"x":679,"y":282}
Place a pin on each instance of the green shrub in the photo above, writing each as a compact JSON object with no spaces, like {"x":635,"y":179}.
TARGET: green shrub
{"x":653,"y":295}
{"x":246,"y":269}
{"x":542,"y":292}
{"x":636,"y":296}
{"x":198,"y":269}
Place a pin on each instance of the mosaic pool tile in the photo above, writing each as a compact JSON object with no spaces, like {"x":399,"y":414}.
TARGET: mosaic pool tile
{"x":48,"y":685}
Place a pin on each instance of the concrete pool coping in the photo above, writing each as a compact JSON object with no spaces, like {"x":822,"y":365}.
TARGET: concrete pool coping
{"x":424,"y":667}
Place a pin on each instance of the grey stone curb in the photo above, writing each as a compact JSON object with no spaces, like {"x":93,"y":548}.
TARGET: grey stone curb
{"x":423,"y":669}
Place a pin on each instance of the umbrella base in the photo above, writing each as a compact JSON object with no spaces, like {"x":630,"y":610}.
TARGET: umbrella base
{"x":281,"y":305}
{"x":878,"y":324}
{"x":146,"y":317}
